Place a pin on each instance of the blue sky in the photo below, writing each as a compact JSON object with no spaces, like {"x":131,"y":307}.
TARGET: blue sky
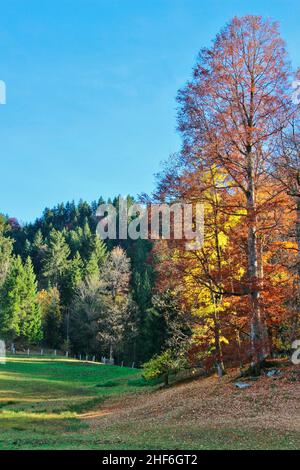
{"x":91,"y":87}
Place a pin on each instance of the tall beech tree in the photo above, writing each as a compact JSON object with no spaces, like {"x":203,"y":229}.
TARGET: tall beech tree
{"x":205,"y":278}
{"x":230,"y":115}
{"x":286,"y":169}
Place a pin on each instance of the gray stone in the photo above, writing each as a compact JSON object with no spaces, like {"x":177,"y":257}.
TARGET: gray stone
{"x":273,"y":372}
{"x":242,"y":385}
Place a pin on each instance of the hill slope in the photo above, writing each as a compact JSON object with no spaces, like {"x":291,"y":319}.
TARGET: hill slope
{"x":59,"y":404}
{"x":207,"y":414}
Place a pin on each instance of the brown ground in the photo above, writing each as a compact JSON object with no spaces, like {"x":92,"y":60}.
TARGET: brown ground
{"x":270,"y":403}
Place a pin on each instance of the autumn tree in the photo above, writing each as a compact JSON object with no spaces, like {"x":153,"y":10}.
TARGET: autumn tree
{"x":286,"y":170}
{"x":230,"y":114}
{"x":204,"y":278}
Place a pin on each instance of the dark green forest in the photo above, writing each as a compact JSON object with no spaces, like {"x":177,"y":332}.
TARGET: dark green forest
{"x":64,"y":288}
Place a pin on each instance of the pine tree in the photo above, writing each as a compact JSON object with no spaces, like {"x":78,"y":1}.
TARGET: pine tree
{"x":6,"y":245}
{"x":20,"y":316}
{"x":72,"y":277}
{"x":51,"y":316}
{"x":92,"y":267}
{"x":57,"y":258}
{"x":11,"y":301}
{"x":100,"y":250}
{"x":86,"y":241}
{"x":31,"y":320}
{"x":27,"y":248}
{"x":38,"y":249}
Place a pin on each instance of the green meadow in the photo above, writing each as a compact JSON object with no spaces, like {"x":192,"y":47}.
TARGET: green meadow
{"x":41,"y":400}
{"x":48,"y":403}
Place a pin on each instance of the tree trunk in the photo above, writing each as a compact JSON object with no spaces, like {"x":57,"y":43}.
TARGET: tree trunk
{"x":111,"y":353}
{"x":217,"y":330}
{"x":266,"y":334}
{"x":253,"y":274}
{"x":238,"y":342}
{"x":298,"y":246}
{"x":166,"y":379}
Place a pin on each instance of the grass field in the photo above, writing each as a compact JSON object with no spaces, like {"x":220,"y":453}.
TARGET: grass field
{"x":41,"y":400}
{"x":65,"y":404}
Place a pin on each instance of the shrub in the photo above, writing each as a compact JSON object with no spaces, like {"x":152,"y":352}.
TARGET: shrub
{"x":161,"y":366}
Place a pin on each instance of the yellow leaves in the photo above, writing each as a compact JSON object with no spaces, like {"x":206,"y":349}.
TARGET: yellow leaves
{"x":205,"y":310}
{"x":176,"y":255}
{"x":289,"y":245}
{"x":240,"y":272}
{"x":280,"y":276}
{"x":222,"y":239}
{"x":42,"y":295}
{"x":224,"y":340}
{"x":203,"y":331}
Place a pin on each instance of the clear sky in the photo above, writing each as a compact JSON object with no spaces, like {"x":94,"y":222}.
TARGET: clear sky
{"x":91,"y":87}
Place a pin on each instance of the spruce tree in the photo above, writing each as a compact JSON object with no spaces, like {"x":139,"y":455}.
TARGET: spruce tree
{"x":56,"y":258}
{"x":71,"y":279}
{"x":51,"y":317}
{"x":92,"y":267}
{"x":20,"y":315}
{"x":6,"y":245}
{"x":31,"y":320}
{"x":38,"y":249}
{"x":11,"y":301}
{"x":100,"y":250}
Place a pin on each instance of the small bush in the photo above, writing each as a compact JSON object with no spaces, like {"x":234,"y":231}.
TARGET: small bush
{"x":162,"y":366}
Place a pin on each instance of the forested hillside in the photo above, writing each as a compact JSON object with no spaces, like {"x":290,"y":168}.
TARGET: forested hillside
{"x":233,"y":301}
{"x":64,"y":288}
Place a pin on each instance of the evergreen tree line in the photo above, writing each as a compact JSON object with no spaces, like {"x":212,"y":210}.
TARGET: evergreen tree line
{"x":64,"y":288}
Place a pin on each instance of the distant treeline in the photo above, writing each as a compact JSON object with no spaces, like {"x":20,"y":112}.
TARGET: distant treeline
{"x":63,"y":287}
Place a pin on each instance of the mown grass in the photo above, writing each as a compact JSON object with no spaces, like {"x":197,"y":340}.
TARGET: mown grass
{"x":41,"y":398}
{"x":185,"y":436}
